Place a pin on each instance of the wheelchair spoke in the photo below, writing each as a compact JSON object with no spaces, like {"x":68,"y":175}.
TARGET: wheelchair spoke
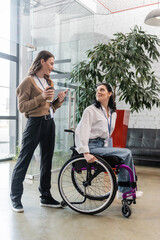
{"x":87,"y":192}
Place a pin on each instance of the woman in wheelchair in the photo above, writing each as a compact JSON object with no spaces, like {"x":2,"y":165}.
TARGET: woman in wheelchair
{"x":92,"y":136}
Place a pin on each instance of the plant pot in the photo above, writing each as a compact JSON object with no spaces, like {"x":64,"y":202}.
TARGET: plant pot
{"x":120,"y":132}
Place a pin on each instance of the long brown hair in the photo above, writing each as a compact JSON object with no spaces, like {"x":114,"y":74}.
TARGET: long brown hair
{"x":36,"y":65}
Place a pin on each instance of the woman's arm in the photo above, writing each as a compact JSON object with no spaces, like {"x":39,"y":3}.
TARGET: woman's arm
{"x":82,"y":132}
{"x":24,"y":102}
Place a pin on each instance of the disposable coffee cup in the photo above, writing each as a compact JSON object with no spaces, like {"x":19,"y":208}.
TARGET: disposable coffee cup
{"x":50,"y":99}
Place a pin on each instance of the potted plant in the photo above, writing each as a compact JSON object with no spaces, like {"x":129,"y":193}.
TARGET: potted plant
{"x":125,"y":62}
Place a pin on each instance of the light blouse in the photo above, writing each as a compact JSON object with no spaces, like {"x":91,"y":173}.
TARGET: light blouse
{"x":45,"y":84}
{"x":93,"y":124}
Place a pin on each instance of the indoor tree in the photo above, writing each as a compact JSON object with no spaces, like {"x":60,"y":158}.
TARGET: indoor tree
{"x":125,"y":62}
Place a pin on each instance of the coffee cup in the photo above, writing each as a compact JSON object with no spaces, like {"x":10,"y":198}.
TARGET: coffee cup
{"x":49,"y":99}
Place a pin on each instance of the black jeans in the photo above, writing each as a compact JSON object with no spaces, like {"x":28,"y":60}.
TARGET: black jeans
{"x":37,"y":130}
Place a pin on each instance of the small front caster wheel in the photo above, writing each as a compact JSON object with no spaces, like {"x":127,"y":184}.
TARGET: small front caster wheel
{"x":129,"y":202}
{"x":63,"y":204}
{"x":126,"y":211}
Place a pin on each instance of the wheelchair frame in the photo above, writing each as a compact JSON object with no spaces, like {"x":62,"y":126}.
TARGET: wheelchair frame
{"x":90,"y":188}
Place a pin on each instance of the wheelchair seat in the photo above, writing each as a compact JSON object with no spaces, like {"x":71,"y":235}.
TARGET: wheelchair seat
{"x":111,"y":160}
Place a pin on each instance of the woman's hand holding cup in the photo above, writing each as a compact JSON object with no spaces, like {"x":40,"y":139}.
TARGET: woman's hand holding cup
{"x":48,"y":94}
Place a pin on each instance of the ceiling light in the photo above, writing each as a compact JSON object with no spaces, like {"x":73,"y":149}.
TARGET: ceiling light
{"x":153,"y":18}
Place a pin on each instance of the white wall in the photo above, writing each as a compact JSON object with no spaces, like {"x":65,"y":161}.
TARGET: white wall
{"x":123,"y":22}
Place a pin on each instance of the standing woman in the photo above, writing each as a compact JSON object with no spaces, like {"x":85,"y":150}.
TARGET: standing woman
{"x":93,"y":134}
{"x":35,"y":99}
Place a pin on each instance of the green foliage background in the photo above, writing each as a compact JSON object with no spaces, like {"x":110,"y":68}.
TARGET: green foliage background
{"x":125,"y":62}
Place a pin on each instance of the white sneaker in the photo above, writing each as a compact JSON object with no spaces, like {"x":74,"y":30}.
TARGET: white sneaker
{"x":138,"y":195}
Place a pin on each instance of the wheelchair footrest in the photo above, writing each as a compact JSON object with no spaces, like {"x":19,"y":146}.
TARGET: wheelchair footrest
{"x":127,"y":184}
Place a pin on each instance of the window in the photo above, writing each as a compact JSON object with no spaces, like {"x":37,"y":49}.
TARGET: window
{"x":8,"y":80}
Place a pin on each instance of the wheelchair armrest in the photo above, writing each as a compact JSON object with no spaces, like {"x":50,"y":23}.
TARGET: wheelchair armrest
{"x":74,"y":152}
{"x":68,"y":130}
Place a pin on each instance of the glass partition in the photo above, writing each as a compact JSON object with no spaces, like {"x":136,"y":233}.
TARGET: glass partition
{"x":8,"y":109}
{"x":8,"y":138}
{"x":7,"y":87}
{"x":9,"y":62}
{"x":65,"y":28}
{"x":64,"y":117}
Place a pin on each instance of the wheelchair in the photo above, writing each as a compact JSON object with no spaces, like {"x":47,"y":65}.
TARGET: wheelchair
{"x":90,"y":188}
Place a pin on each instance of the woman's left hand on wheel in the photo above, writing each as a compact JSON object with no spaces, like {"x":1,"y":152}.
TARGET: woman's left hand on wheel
{"x":90,"y":158}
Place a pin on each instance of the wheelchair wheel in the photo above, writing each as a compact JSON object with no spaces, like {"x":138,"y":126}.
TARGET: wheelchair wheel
{"x":126,"y":211}
{"x":87,"y":188}
{"x":78,"y":180}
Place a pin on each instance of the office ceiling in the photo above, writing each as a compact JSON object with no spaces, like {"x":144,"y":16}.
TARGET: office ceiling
{"x":47,"y":10}
{"x":67,"y":9}
{"x":52,"y":11}
{"x":49,"y":3}
{"x":103,"y":6}
{"x":115,"y":6}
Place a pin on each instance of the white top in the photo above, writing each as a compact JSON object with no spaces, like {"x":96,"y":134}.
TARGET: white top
{"x":93,"y":124}
{"x":45,"y":84}
{"x":43,"y":81}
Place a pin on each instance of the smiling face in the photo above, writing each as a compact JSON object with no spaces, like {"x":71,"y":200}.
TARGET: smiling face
{"x":102,"y":94}
{"x":47,"y":66}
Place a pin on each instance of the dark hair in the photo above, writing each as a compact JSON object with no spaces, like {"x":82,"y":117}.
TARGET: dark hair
{"x":111,"y":102}
{"x":36,"y":65}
